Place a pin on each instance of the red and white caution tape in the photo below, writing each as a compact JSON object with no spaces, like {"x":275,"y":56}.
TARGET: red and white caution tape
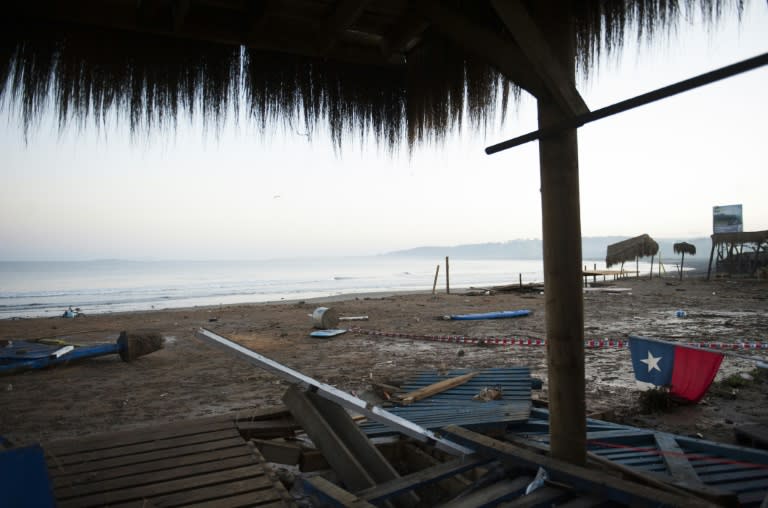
{"x":535,"y":341}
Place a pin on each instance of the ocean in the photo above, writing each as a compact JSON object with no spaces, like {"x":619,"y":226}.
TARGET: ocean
{"x":40,"y":289}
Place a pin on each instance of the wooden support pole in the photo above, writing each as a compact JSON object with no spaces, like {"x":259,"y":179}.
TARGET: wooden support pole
{"x":434,"y":284}
{"x":650,"y":273}
{"x":520,"y":277}
{"x":447,"y":277}
{"x":709,"y":267}
{"x":561,"y":224}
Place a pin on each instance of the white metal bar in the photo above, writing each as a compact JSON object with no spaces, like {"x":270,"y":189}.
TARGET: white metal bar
{"x":338,"y":396}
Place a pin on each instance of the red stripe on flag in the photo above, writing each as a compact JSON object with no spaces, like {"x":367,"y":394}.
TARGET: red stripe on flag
{"x":693,"y":372}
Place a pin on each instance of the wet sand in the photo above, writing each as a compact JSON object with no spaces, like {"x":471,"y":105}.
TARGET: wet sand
{"x":190,"y":378}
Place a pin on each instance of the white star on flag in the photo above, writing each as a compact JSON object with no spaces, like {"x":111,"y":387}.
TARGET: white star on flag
{"x":652,"y":362}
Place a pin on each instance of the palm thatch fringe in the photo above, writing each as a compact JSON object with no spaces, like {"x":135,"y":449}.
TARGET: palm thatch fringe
{"x":90,"y":72}
{"x":86,"y":73}
{"x":633,"y":248}
{"x":684,"y":248}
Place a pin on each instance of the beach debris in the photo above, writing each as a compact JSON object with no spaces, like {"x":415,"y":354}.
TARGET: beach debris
{"x":24,"y":355}
{"x":503,"y":314}
{"x":71,"y":313}
{"x":435,"y":388}
{"x":328,"y":333}
{"x":325,"y":318}
{"x":489,"y":393}
{"x":538,"y":481}
{"x":332,"y":393}
{"x":353,"y":318}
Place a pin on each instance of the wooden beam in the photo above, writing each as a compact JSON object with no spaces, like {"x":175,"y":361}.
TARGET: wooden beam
{"x":379,"y":469}
{"x":535,"y":47}
{"x":258,"y":16}
{"x":494,"y":494}
{"x":335,"y":451}
{"x":502,"y":54}
{"x":345,"y":15}
{"x":404,"y":37}
{"x":421,"y":478}
{"x":333,"y":495}
{"x":179,"y":11}
{"x":435,"y":388}
{"x":561,"y":228}
{"x":580,"y":478}
{"x":674,"y":457}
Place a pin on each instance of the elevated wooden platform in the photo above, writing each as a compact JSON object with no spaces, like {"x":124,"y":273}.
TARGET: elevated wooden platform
{"x":200,"y":463}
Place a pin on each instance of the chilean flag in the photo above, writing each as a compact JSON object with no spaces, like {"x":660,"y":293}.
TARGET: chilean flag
{"x":687,"y":371}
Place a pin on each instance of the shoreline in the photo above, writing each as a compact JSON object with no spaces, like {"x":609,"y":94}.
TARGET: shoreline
{"x":189,"y":379}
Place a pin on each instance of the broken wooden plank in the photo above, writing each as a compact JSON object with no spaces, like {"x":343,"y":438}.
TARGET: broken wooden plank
{"x":581,"y":478}
{"x":334,"y":394}
{"x":674,"y":457}
{"x":335,"y":451}
{"x":492,"y":495}
{"x":421,"y":478}
{"x":358,"y":443}
{"x":268,"y":429}
{"x":278,"y":451}
{"x":334,"y":495}
{"x":435,"y":388}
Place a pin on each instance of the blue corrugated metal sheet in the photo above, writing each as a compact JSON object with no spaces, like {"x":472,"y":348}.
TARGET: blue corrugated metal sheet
{"x":737,"y":469}
{"x":457,"y":406}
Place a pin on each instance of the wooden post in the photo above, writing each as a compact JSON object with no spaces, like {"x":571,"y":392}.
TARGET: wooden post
{"x":447,"y":278}
{"x":637,"y":267}
{"x":520,"y":276}
{"x":709,"y":266}
{"x":561,"y":227}
{"x":594,"y":276}
{"x":650,"y":273}
{"x":434,"y":284}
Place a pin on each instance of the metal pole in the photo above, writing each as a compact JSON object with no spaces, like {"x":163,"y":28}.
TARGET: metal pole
{"x":634,"y":102}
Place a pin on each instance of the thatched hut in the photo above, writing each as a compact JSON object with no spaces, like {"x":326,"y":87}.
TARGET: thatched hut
{"x":742,"y":253}
{"x":398,"y":72}
{"x":632,"y":248}
{"x":684,"y":248}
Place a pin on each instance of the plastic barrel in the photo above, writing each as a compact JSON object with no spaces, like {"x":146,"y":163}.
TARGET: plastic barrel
{"x":324,"y":318}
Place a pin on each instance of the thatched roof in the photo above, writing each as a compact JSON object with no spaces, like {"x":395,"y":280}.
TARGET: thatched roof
{"x":627,"y":250}
{"x":745,"y":237}
{"x":684,"y":247}
{"x":391,"y":70}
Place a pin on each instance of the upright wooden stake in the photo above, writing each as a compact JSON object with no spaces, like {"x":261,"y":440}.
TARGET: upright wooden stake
{"x":434,"y":284}
{"x":520,"y":276}
{"x":447,"y":277}
{"x":650,"y":274}
{"x":561,"y":221}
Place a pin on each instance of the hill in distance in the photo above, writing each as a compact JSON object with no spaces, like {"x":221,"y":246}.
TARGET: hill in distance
{"x":592,"y":248}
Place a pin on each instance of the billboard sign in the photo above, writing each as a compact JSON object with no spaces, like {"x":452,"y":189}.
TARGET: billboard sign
{"x":727,"y":219}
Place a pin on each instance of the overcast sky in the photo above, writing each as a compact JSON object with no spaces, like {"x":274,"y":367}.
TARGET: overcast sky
{"x":658,"y":170}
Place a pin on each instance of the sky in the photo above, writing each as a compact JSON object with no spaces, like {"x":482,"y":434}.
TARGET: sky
{"x":658,"y":169}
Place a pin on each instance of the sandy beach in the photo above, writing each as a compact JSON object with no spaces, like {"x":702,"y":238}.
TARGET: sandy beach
{"x":189,"y":378}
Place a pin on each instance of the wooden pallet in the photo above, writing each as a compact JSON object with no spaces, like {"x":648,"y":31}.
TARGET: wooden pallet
{"x":198,"y":463}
